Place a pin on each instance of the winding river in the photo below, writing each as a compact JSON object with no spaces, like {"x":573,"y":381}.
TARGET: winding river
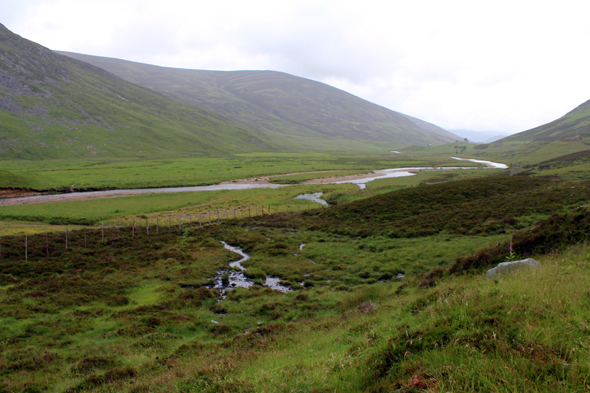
{"x":361,"y":183}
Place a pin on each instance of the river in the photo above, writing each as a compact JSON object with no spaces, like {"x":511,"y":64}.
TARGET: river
{"x":361,"y":183}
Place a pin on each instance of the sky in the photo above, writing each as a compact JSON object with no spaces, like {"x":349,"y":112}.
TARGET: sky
{"x":501,"y":66}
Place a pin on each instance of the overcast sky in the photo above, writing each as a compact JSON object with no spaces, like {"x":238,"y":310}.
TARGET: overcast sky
{"x":481,"y":65}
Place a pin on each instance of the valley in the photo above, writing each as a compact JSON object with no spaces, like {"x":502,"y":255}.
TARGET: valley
{"x":121,"y":277}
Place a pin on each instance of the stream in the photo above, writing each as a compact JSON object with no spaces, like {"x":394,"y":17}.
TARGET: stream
{"x":237,"y":278}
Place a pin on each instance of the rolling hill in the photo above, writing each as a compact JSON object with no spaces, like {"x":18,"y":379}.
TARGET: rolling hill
{"x":573,"y":126}
{"x":563,"y":137}
{"x":278,"y":104}
{"x":53,"y":106}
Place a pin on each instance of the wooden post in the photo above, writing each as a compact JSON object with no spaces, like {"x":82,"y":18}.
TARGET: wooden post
{"x":133,"y":229}
{"x":169,"y":230}
{"x":47,"y":242}
{"x":103,"y":232}
{"x":256,"y":207}
{"x":180,"y":222}
{"x":287,"y":207}
{"x":85,"y":245}
{"x":234,"y":212}
{"x":147,"y":228}
{"x":209,"y":213}
{"x":217,"y":215}
{"x":249,"y":211}
{"x":200,"y":222}
{"x":26,"y":247}
{"x":66,"y":238}
{"x":157,"y":225}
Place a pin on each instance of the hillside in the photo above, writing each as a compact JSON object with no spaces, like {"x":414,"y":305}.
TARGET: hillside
{"x":53,"y":106}
{"x":574,"y":126}
{"x":279,"y":104}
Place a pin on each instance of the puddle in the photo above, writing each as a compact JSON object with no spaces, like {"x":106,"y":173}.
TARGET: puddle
{"x":314,"y":198}
{"x":237,"y":279}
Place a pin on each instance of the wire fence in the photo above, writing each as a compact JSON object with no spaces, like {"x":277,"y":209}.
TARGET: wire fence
{"x":50,"y":244}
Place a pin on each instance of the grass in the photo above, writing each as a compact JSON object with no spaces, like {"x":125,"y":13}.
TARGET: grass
{"x":120,"y":316}
{"x":300,"y":177}
{"x":167,"y":172}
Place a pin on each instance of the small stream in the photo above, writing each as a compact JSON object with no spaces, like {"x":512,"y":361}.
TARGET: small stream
{"x":313,"y":197}
{"x":237,"y":278}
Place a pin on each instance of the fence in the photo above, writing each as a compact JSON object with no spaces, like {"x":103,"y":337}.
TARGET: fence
{"x":54,"y":243}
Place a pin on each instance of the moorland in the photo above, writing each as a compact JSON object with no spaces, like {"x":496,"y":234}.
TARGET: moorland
{"x":385,"y":288}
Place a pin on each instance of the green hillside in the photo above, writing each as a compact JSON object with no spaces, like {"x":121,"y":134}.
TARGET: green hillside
{"x":53,"y":106}
{"x":569,"y":134}
{"x":279,"y":104}
{"x":574,"y":126}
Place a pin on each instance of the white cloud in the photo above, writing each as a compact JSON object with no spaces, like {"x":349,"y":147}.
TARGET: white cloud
{"x":503,"y":65}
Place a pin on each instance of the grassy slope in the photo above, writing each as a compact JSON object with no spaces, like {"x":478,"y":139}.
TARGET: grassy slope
{"x":282,"y":105}
{"x":566,"y":135}
{"x":53,"y":106}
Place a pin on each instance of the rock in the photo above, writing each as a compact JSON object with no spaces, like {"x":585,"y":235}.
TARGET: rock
{"x":507,"y":267}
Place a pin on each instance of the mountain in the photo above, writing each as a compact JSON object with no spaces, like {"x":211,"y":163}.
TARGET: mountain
{"x":573,"y":126}
{"x":279,"y":104}
{"x":479,"y":136}
{"x":53,"y":106}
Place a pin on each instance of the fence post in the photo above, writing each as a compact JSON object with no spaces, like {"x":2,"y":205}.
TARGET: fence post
{"x":85,"y":245}
{"x":26,"y":247}
{"x":249,"y":211}
{"x":103,"y":232}
{"x":157,"y":225}
{"x":169,"y":230}
{"x":66,"y":238}
{"x":217,"y":215}
{"x":256,"y":207}
{"x":47,"y":242}
{"x":234,"y":212}
{"x":209,"y":214}
{"x":200,"y":222}
{"x":180,"y":222}
{"x":287,"y":207}
{"x":133,"y":229}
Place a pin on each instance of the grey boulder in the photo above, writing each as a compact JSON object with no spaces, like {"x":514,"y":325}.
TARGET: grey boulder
{"x":508,"y":267}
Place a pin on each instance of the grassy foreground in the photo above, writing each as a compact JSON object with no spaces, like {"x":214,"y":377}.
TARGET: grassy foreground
{"x":388,"y":294}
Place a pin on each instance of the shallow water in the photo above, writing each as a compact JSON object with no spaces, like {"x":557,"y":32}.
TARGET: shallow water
{"x":237,"y":279}
{"x":314,"y":198}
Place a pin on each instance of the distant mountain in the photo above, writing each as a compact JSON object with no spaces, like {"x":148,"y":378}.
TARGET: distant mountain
{"x":278,"y":104}
{"x":53,"y":106}
{"x":573,"y":126}
{"x":480,"y":136}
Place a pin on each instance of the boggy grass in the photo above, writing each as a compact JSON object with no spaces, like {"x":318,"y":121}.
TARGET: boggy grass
{"x":526,"y":332}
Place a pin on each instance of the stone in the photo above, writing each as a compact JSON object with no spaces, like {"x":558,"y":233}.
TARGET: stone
{"x":507,"y":267}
